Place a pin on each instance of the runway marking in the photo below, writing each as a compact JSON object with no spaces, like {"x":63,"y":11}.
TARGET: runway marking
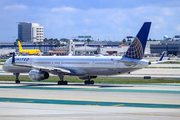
{"x":119,"y":105}
{"x":92,"y":103}
{"x":155,"y":115}
{"x":91,"y":89}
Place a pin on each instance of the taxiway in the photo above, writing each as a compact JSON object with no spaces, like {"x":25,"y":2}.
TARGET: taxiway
{"x":34,"y":100}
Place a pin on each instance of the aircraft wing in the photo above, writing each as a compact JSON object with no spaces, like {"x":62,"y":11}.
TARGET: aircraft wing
{"x":44,"y":68}
{"x":52,"y":69}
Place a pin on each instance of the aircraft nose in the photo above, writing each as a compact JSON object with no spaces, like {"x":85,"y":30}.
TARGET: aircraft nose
{"x":3,"y":67}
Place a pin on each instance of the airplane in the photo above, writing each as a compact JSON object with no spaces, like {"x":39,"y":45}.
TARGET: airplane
{"x":85,"y":67}
{"x":29,"y":51}
{"x":160,"y":60}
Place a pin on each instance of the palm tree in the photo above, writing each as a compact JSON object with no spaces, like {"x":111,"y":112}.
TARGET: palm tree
{"x":50,"y":43}
{"x":15,"y":44}
{"x":124,"y":40}
{"x":40,"y":43}
{"x":58,"y":43}
{"x":17,"y":40}
{"x":88,"y":40}
{"x":45,"y":40}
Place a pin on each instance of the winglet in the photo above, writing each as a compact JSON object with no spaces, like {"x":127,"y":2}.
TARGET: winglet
{"x":13,"y":58}
{"x":162,"y":56}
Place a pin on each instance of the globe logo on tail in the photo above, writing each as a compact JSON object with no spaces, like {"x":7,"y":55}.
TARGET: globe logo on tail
{"x":135,"y":50}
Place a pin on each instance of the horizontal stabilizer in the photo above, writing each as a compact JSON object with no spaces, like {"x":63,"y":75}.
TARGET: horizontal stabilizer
{"x":127,"y":63}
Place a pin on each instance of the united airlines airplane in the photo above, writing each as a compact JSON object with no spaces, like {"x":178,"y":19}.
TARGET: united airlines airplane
{"x":85,"y":67}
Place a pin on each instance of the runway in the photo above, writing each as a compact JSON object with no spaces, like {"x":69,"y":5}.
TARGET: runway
{"x":46,"y":100}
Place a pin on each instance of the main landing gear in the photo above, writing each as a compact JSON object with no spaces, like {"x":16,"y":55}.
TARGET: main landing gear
{"x":89,"y":81}
{"x":61,"y":77}
{"x":17,"y":78}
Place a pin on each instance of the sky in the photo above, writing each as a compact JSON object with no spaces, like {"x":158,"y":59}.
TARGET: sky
{"x":102,"y":19}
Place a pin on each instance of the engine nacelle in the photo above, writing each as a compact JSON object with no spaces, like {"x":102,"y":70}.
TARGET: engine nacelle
{"x":86,"y":77}
{"x":38,"y":75}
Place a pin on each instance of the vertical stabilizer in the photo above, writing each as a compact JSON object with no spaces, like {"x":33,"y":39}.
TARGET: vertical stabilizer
{"x":162,"y":56}
{"x":20,"y":47}
{"x":137,"y":47}
{"x":13,"y":58}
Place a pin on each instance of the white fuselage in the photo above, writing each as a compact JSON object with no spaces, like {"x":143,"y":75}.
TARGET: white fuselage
{"x":78,"y":65}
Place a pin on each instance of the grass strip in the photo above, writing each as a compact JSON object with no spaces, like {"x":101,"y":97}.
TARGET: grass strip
{"x":165,"y":67}
{"x":98,"y":80}
{"x":171,"y":62}
{"x":2,"y":60}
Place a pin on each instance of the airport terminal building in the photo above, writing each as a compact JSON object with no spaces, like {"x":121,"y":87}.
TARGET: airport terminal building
{"x":30,"y":32}
{"x":171,"y":47}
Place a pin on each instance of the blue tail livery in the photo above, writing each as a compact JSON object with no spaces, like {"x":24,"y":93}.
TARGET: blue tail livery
{"x":137,"y":47}
{"x":162,"y":56}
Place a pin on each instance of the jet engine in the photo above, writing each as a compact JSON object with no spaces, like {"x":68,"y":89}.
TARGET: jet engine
{"x":38,"y":75}
{"x":86,"y":77}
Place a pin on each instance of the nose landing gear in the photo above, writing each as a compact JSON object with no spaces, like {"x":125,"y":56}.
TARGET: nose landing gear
{"x":17,"y":78}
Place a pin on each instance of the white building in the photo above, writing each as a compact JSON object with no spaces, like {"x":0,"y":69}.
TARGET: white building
{"x":30,"y":32}
{"x":120,"y":50}
{"x":85,"y":50}
{"x":70,"y":48}
{"x":112,"y":50}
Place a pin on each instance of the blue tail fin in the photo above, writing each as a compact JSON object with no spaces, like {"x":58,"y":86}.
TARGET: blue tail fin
{"x":162,"y":56}
{"x":137,"y":47}
{"x":13,"y":58}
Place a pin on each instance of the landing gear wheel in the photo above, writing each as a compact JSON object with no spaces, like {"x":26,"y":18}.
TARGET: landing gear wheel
{"x":92,"y":82}
{"x":61,"y":77}
{"x":59,"y":83}
{"x":85,"y":82}
{"x":65,"y":82}
{"x":62,"y":82}
{"x":89,"y":82}
{"x":17,"y":81}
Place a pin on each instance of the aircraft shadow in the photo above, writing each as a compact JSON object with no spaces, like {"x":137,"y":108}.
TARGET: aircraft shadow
{"x":70,"y":84}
